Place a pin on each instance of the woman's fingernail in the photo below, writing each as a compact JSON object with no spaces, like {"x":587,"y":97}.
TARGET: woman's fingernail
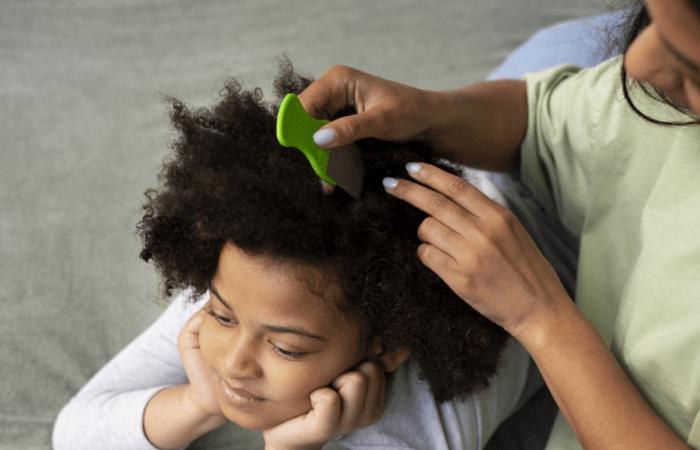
{"x":327,"y":188}
{"x":324,"y":136}
{"x":413,"y":167}
{"x":390,"y":183}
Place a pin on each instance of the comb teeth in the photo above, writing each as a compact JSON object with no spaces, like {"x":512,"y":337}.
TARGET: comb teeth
{"x":342,"y":166}
{"x":345,"y":166}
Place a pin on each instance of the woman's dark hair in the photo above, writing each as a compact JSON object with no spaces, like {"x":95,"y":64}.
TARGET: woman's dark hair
{"x":229,"y":180}
{"x":639,"y":20}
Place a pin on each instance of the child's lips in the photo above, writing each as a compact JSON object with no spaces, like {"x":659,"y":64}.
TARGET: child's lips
{"x":239,"y":396}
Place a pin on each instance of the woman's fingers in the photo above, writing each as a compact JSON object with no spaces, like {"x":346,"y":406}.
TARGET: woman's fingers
{"x":348,"y":129}
{"x":432,"y":231}
{"x":456,"y":216}
{"x":333,"y":92}
{"x":478,"y":247}
{"x":451,"y":186}
{"x":443,"y":265}
{"x":327,"y":188}
{"x":480,"y":222}
{"x":384,"y":109}
{"x":330,"y":94}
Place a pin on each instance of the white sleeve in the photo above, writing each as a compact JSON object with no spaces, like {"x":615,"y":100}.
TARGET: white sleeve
{"x":413,"y":420}
{"x":107,"y":413}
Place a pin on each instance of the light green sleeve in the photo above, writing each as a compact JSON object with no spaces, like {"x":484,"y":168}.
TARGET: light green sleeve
{"x":558,"y":152}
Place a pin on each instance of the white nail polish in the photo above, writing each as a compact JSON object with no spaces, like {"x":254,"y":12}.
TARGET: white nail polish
{"x":390,"y":183}
{"x":413,"y":167}
{"x":324,"y":136}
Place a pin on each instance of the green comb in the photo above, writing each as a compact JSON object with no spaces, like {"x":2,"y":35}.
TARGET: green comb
{"x":341,"y":166}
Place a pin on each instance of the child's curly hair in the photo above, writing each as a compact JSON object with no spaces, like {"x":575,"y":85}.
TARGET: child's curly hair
{"x":230,"y":180}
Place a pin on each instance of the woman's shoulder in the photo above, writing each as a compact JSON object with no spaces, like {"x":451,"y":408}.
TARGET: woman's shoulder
{"x":575,"y":85}
{"x":596,"y":93}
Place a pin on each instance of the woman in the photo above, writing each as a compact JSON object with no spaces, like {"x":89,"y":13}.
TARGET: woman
{"x":617,"y":162}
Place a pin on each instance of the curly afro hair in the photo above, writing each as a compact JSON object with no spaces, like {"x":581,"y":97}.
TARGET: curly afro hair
{"x":231,"y":181}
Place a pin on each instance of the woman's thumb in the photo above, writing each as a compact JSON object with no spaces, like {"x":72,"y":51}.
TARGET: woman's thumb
{"x":343,"y":131}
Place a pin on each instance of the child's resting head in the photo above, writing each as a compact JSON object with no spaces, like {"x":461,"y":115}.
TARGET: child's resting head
{"x":241,"y":214}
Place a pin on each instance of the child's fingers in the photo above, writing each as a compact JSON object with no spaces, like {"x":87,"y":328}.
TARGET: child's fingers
{"x":190,"y":353}
{"x":352,"y":389}
{"x":189,"y":335}
{"x":376,"y":385}
{"x":325,"y":413}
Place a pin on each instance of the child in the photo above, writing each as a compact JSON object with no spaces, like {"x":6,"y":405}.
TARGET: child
{"x":290,"y":290}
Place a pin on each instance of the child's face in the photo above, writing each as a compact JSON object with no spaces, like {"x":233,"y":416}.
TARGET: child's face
{"x":259,"y":345}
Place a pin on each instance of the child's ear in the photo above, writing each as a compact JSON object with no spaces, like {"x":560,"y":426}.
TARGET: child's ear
{"x":390,"y":359}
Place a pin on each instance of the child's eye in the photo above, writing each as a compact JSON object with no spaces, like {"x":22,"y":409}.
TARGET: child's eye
{"x":287,"y":354}
{"x":223,"y":321}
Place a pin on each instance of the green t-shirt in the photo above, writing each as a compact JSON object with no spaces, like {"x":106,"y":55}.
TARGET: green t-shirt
{"x":630,"y":190}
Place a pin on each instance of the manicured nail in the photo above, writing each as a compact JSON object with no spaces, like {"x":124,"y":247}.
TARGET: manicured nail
{"x":390,"y":183}
{"x":327,"y":188}
{"x":324,"y":136}
{"x":413,"y":167}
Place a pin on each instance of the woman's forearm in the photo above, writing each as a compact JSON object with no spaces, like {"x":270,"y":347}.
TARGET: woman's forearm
{"x":599,"y":401}
{"x":171,"y":421}
{"x":481,"y":125}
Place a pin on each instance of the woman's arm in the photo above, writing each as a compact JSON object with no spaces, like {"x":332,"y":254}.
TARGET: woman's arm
{"x":487,"y":258}
{"x":482,"y":125}
{"x":599,"y":401}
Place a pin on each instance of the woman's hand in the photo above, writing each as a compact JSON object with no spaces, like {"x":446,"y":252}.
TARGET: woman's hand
{"x":356,"y":400}
{"x":480,"y":250}
{"x":199,"y":392}
{"x":385,"y":109}
{"x":480,"y":125}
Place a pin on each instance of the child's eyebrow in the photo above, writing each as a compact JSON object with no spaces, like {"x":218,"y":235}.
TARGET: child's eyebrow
{"x":273,"y":328}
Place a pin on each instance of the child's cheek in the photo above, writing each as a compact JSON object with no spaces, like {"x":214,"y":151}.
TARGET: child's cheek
{"x":296,"y":381}
{"x":292,"y":386}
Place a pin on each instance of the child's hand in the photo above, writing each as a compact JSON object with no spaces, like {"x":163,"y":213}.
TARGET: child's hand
{"x":199,"y":391}
{"x":356,"y":400}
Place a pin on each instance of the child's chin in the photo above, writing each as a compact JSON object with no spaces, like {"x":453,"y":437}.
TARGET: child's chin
{"x":253,"y":422}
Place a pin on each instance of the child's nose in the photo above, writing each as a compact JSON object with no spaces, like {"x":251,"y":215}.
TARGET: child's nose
{"x":241,"y":360}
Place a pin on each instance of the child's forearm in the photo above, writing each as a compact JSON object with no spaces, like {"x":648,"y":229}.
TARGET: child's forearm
{"x":171,"y":421}
{"x":481,"y":125}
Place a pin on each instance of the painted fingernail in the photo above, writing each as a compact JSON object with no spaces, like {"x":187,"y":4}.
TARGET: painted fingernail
{"x":413,"y":167}
{"x":327,"y":188}
{"x":390,"y":183}
{"x":324,"y":136}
